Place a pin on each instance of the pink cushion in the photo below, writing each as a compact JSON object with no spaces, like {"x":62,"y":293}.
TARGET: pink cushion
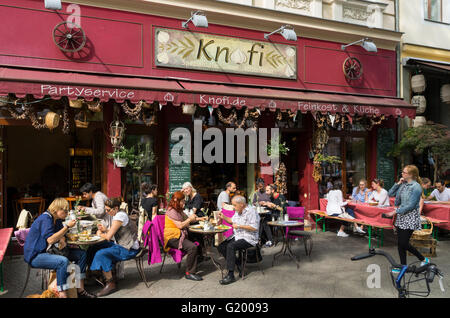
{"x":229,"y":214}
{"x":295,"y":212}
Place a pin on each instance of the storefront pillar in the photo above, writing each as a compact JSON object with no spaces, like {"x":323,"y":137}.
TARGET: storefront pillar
{"x":308,"y":189}
{"x":113,"y":174}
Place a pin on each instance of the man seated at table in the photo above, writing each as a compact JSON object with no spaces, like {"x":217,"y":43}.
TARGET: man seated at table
{"x":426,"y":186}
{"x":260,"y":193}
{"x":224,"y":196}
{"x":98,"y":203}
{"x":245,"y":223}
{"x":441,"y":193}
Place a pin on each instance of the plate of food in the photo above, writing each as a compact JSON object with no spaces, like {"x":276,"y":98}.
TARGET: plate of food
{"x":222,"y":227}
{"x":197,"y":227}
{"x":88,"y":238}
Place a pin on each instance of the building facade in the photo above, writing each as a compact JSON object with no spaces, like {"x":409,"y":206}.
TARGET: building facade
{"x":136,"y":62}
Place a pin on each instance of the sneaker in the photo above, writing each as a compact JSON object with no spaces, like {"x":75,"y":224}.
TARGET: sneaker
{"x":345,"y":215}
{"x":268,"y":244}
{"x":425,"y":261}
{"x":342,"y":234}
{"x":360,"y":230}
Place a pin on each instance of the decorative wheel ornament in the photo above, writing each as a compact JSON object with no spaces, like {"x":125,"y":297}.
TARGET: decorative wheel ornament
{"x":69,"y":37}
{"x":352,"y":68}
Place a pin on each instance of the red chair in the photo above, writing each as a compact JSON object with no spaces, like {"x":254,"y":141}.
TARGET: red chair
{"x":298,"y":214}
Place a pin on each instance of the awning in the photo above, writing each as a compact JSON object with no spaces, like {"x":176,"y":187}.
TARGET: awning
{"x":431,"y":65}
{"x":73,"y":85}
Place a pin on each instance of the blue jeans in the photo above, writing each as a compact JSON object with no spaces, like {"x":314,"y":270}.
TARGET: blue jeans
{"x":105,"y":258}
{"x":60,"y":264}
{"x":93,"y":249}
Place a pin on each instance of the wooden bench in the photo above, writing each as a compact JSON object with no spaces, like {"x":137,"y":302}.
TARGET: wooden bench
{"x":379,"y":227}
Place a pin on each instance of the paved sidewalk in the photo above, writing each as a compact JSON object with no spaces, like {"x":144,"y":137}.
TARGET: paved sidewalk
{"x":328,"y":273}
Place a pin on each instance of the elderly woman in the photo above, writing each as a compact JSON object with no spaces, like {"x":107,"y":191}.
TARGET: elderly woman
{"x":378,"y":194}
{"x":408,"y":193}
{"x":175,"y":233}
{"x":194,"y":200}
{"x":124,"y":231}
{"x":359,"y":192}
{"x":48,"y":230}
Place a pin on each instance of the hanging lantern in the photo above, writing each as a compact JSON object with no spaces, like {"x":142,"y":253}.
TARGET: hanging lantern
{"x":419,"y":121}
{"x":116,"y":132}
{"x":420,"y":102}
{"x":188,"y":109}
{"x":77,"y":103}
{"x":418,"y":83}
{"x":445,"y":93}
{"x":52,"y":120}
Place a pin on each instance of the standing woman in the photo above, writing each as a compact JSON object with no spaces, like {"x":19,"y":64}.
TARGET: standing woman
{"x":48,"y":230}
{"x":408,"y":193}
{"x":150,"y":201}
{"x":175,"y":233}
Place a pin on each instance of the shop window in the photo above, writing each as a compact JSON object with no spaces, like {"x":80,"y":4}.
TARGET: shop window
{"x":143,"y":144}
{"x":355,"y":161}
{"x":433,"y":10}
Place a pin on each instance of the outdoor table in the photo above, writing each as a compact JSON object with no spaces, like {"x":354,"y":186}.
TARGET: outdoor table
{"x":85,"y":243}
{"x":286,"y":239}
{"x":208,"y":239}
{"x":439,"y":212}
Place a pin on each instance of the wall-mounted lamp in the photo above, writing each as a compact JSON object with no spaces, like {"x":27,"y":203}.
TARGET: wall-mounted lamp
{"x":53,"y":4}
{"x":198,"y":18}
{"x":366,"y":43}
{"x":286,"y":31}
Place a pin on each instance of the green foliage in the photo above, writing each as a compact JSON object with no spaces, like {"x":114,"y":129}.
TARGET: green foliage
{"x":329,"y":159}
{"x":135,"y":160}
{"x":282,"y":149}
{"x":434,"y":137}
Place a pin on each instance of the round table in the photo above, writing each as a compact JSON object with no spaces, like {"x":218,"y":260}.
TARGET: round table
{"x":208,"y":239}
{"x":286,"y":240}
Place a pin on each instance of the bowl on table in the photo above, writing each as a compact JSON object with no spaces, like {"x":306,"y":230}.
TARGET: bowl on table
{"x":373,"y":203}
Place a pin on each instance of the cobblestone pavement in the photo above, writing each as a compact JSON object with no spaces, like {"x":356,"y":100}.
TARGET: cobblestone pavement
{"x":329,"y":272}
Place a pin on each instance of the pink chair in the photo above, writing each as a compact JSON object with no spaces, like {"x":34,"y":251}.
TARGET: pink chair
{"x":229,"y":214}
{"x":298,"y":214}
{"x":177,"y":255}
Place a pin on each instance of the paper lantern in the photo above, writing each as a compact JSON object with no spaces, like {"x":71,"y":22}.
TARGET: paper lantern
{"x":445,"y":93}
{"x":52,"y":120}
{"x":420,"y":102}
{"x":188,"y":109}
{"x":419,"y":121}
{"x":418,"y":83}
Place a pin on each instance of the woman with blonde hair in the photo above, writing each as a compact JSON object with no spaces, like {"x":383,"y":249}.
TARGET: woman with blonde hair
{"x":48,"y":230}
{"x":194,"y":200}
{"x":407,"y":192}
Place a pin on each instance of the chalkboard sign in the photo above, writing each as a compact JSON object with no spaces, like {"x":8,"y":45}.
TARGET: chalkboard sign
{"x":179,"y":173}
{"x":80,"y":171}
{"x":385,"y":164}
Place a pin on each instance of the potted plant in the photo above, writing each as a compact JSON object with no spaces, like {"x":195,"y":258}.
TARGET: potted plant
{"x":122,"y":156}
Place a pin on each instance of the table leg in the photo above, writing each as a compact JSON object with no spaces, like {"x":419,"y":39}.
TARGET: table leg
{"x":209,"y":243}
{"x":382,"y":237}
{"x":2,"y":287}
{"x":370,"y":236}
{"x":286,"y":247}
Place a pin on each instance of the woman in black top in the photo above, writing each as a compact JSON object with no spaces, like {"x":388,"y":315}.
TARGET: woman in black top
{"x":150,"y":201}
{"x":194,"y":200}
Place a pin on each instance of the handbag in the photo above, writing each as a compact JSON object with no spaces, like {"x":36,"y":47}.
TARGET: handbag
{"x":54,"y":249}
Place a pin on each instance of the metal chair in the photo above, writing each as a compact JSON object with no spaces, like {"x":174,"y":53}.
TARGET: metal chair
{"x":45,"y":273}
{"x":298,"y":214}
{"x":139,"y":258}
{"x":243,"y":255}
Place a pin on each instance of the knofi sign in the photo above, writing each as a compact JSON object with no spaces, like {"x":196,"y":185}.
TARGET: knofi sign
{"x":207,"y":52}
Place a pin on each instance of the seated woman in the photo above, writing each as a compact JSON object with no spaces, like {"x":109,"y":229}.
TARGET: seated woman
{"x":194,"y":200}
{"x":335,"y":207}
{"x":47,"y":230}
{"x":124,"y":231}
{"x":359,"y":192}
{"x":378,"y":194}
{"x":175,"y":233}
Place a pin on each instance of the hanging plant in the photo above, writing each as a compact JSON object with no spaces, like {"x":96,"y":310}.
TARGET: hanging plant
{"x":282,"y":148}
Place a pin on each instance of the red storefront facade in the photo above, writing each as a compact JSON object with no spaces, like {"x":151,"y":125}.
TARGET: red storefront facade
{"x":118,"y":64}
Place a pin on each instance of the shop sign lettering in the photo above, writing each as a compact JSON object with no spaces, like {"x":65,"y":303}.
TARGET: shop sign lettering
{"x":338,"y":108}
{"x":71,"y":91}
{"x":223,"y":100}
{"x":207,"y":52}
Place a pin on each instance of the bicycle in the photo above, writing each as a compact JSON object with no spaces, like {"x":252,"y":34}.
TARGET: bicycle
{"x":401,"y":284}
